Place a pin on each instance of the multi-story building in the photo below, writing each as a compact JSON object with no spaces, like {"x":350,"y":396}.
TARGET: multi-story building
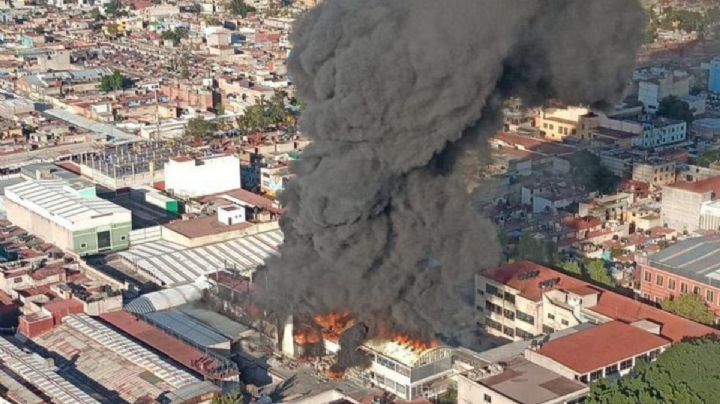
{"x":654,"y":172}
{"x":524,"y":300}
{"x":689,"y":266}
{"x":662,"y":131}
{"x":714,"y":77}
{"x":682,"y":202}
{"x":559,"y":123}
{"x":72,"y":220}
{"x":654,"y":90}
{"x":190,"y":177}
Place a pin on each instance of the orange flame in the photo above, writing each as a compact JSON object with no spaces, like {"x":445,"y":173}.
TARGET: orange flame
{"x":334,"y":324}
{"x":306,"y":336}
{"x":335,"y":375}
{"x":415,"y":344}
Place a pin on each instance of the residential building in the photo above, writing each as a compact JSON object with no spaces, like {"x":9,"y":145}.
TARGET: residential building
{"x":652,"y":91}
{"x":191,"y":177}
{"x":654,"y":172}
{"x":662,"y":131}
{"x":524,"y":300}
{"x":611,"y":349}
{"x":714,"y":77}
{"x":683,"y":201}
{"x":688,"y":266}
{"x":64,"y":216}
{"x":558,"y":123}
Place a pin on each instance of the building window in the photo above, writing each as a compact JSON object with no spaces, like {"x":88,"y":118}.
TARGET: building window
{"x":683,"y":287}
{"x":564,"y":322}
{"x":487,"y":398}
{"x":523,"y":334}
{"x":671,"y":284}
{"x":509,"y":331}
{"x":480,"y":292}
{"x":654,"y":354}
{"x":648,"y":276}
{"x":611,"y":370}
{"x":493,"y":308}
{"x":696,"y":290}
{"x":657,"y":301}
{"x":83,"y":245}
{"x":479,"y":308}
{"x":710,"y":295}
{"x":490,"y":289}
{"x":493,"y":324}
{"x":626,"y":364}
{"x":659,"y":280}
{"x":525,"y":317}
{"x":509,"y":297}
{"x":595,"y":375}
{"x":509,"y":314}
{"x":639,"y":358}
{"x":551,"y":316}
{"x":548,"y":330}
{"x":122,"y":238}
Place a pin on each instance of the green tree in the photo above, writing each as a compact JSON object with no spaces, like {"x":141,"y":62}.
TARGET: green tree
{"x":675,"y":108}
{"x":587,"y":170}
{"x":238,"y":7}
{"x":689,"y":306}
{"x":686,"y":373}
{"x":596,"y":270}
{"x":175,"y":35}
{"x":199,"y":129}
{"x":114,"y":8}
{"x":114,"y":82}
{"x":232,"y":398}
{"x":572,"y":267}
{"x":112,"y":29}
{"x":450,"y":396}
{"x":708,"y":158}
{"x":538,"y":250}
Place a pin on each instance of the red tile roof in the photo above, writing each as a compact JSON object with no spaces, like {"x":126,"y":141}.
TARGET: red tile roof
{"x":610,"y":304}
{"x":600,"y":346}
{"x":708,"y":185}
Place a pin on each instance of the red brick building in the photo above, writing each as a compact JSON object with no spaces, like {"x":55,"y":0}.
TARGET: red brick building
{"x":690,"y":266}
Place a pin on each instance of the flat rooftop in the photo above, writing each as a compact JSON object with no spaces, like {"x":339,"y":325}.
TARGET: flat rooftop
{"x":695,"y":258}
{"x":204,"y":226}
{"x":601,"y":346}
{"x":528,"y":383}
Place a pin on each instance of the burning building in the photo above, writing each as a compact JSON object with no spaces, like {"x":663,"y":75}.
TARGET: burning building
{"x":409,"y":369}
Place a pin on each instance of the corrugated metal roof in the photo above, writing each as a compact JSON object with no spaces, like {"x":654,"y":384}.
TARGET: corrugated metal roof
{"x":35,"y":370}
{"x":168,"y":298}
{"x":57,"y":201}
{"x":191,"y":330}
{"x":172,"y":264}
{"x":696,"y":258}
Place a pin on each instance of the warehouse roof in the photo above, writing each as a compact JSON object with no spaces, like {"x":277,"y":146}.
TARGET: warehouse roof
{"x":60,"y":203}
{"x":696,"y":258}
{"x":188,"y":328}
{"x":168,"y":298}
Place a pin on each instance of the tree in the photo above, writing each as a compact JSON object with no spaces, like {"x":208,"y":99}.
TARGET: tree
{"x":114,"y":8}
{"x":114,"y":82}
{"x":538,"y":250}
{"x":199,"y":129}
{"x":232,"y":398}
{"x":112,"y":29}
{"x":587,"y":170}
{"x":675,"y":108}
{"x":572,"y":267}
{"x":597,"y":271}
{"x":175,"y":35}
{"x":708,"y":158}
{"x":689,"y":306}
{"x":685,"y":373}
{"x":238,"y":7}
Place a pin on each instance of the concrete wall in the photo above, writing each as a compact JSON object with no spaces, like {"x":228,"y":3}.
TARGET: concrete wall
{"x":681,"y":209}
{"x":39,"y":226}
{"x":470,"y":392}
{"x":208,"y":176}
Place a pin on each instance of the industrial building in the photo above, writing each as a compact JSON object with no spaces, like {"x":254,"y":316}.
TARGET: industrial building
{"x":192,"y":177}
{"x":78,"y":222}
{"x":682,"y":202}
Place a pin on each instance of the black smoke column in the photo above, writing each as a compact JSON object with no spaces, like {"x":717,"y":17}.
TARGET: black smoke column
{"x":378,"y":221}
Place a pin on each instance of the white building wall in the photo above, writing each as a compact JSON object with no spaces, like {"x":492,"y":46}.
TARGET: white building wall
{"x":203,"y":177}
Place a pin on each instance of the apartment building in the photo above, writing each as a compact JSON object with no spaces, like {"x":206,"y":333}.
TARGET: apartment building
{"x":524,"y":300}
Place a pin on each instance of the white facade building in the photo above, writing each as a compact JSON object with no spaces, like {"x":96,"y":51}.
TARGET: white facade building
{"x":662,"y":131}
{"x":654,"y":90}
{"x":188,"y":177}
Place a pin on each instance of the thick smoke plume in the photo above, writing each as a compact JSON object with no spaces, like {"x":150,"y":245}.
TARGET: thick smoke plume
{"x":378,"y":221}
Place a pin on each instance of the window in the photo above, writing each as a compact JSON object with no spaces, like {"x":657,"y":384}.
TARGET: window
{"x":709,"y":295}
{"x":671,"y":284}
{"x":480,"y":292}
{"x":641,"y":358}
{"x":492,"y":290}
{"x":564,"y":322}
{"x":493,"y":324}
{"x":18,"y":279}
{"x":658,"y":300}
{"x":683,"y":287}
{"x":548,"y":330}
{"x":509,"y":331}
{"x":627,"y":364}
{"x":696,"y":290}
{"x":523,"y":334}
{"x":611,"y":370}
{"x":648,"y":276}
{"x":479,"y":308}
{"x":83,"y":245}
{"x":493,"y":308}
{"x":509,"y":314}
{"x":122,"y":238}
{"x":659,"y":280}
{"x":509,"y":297}
{"x":654,"y":354}
{"x":487,"y":398}
{"x":525,"y":317}
{"x":551,"y":316}
{"x":595,"y":375}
